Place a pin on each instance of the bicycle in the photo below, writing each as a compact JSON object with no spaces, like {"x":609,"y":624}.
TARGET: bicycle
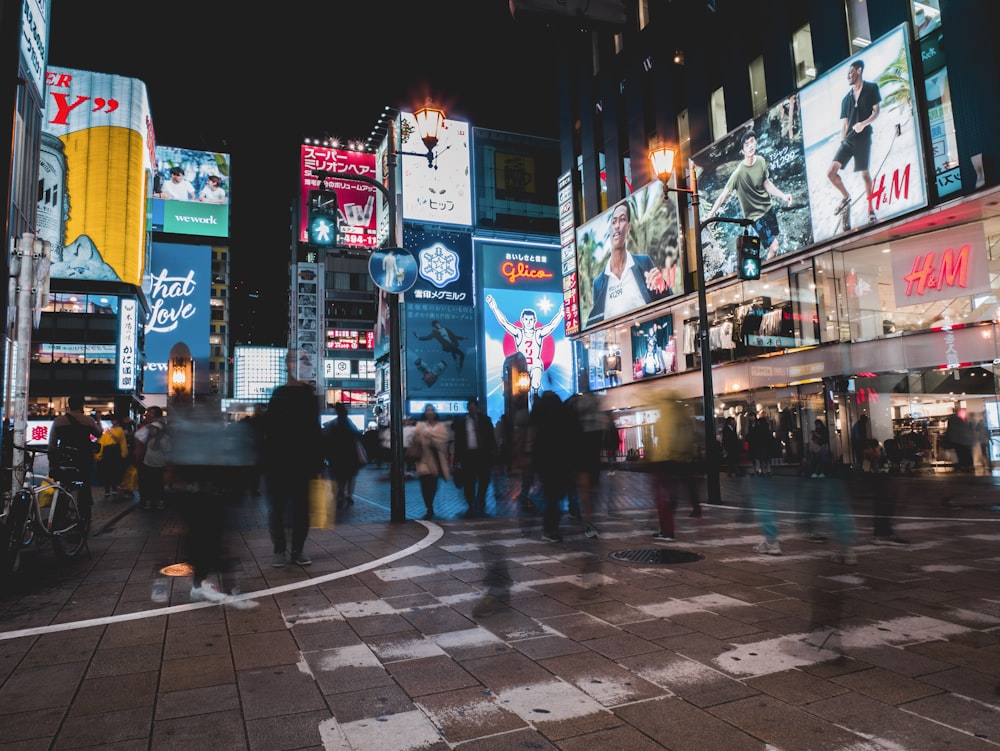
{"x":43,"y":507}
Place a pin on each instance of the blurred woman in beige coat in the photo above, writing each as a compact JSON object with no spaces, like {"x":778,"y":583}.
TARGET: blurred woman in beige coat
{"x":433,"y":437}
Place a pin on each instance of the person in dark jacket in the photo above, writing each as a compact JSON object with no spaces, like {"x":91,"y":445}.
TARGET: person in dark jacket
{"x":552,"y":457}
{"x":475,"y":443}
{"x":732,"y":445}
{"x":77,"y":432}
{"x":292,"y":456}
{"x":341,"y":440}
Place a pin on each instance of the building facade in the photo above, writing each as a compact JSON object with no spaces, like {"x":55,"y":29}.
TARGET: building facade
{"x":882,"y":305}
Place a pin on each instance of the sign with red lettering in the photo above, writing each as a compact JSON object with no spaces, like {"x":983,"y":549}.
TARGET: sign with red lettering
{"x":940,"y":266}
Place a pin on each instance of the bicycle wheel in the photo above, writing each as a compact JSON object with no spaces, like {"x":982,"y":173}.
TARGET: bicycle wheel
{"x":69,"y":528}
{"x":14,"y":532}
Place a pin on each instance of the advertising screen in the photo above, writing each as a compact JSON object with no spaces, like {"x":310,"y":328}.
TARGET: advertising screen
{"x":881,"y":172}
{"x":756,"y":173}
{"x":179,"y":294}
{"x":441,"y":341}
{"x":356,"y":213}
{"x":523,"y":314}
{"x":102,"y":169}
{"x":654,"y":348}
{"x":191,"y":192}
{"x":442,"y":194}
{"x":629,"y":256}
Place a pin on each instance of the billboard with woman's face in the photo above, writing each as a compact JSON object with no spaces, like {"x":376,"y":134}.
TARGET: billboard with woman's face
{"x":629,"y":257}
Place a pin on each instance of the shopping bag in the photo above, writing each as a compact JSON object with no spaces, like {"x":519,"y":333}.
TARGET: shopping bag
{"x":322,"y":503}
{"x":130,"y":479}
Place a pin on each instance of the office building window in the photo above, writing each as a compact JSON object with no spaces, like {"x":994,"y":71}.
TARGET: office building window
{"x":718,"y":113}
{"x":802,"y":54}
{"x":857,"y":25}
{"x":758,"y":89}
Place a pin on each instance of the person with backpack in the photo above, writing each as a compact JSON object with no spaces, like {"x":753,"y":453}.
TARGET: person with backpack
{"x":72,"y":450}
{"x":340,"y":446}
{"x":111,"y":457}
{"x":152,"y":454}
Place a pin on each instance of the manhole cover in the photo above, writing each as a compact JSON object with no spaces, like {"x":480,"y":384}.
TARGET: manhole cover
{"x":656,"y":556}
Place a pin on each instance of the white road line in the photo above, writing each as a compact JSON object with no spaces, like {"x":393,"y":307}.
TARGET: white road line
{"x":434,"y":534}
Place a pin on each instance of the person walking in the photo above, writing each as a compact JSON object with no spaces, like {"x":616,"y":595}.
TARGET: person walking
{"x":341,"y":440}
{"x":671,"y":458}
{"x":111,"y":457}
{"x":71,"y":450}
{"x":432,"y":437}
{"x":819,"y":448}
{"x":475,"y":444}
{"x":732,"y":446}
{"x":554,"y":428}
{"x":152,"y":451}
{"x":293,"y":455}
{"x":761,"y":440}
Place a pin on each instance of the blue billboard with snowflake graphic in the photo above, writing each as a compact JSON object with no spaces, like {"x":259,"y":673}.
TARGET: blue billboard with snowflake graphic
{"x":441,"y":334}
{"x":522,"y":315}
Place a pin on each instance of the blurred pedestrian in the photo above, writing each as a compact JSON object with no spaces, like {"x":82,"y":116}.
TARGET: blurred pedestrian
{"x":591,"y":420}
{"x":959,"y":438}
{"x":112,"y":451}
{"x":981,"y":431}
{"x":431,"y":437}
{"x":819,"y":449}
{"x":861,"y":435}
{"x":671,"y":458}
{"x":611,"y":443}
{"x":761,"y":440}
{"x":521,"y":457}
{"x":475,"y":444}
{"x":341,"y":440}
{"x":293,"y":455}
{"x":152,"y":452}
{"x":253,"y":424}
{"x":732,"y":447}
{"x":71,"y":450}
{"x":553,"y":426}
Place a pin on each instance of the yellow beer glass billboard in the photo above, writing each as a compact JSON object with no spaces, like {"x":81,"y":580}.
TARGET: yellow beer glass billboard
{"x":104,"y":124}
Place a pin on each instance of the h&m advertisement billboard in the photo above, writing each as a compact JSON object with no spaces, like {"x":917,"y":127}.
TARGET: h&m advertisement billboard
{"x":775,"y":169}
{"x":629,"y":257}
{"x":98,"y":172}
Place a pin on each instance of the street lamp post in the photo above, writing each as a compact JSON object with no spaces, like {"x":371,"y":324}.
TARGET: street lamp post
{"x":429,"y":120}
{"x":662,"y":159}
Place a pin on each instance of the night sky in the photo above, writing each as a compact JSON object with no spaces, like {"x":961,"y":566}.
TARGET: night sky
{"x":240,"y":78}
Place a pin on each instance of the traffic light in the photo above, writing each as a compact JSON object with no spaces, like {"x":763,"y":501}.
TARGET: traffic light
{"x":322,"y":228}
{"x":749,"y":250}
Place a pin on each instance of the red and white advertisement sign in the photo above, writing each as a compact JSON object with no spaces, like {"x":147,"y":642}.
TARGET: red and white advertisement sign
{"x":356,"y":200}
{"x":940,"y":266}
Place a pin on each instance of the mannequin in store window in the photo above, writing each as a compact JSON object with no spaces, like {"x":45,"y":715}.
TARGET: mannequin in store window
{"x":612,"y":368}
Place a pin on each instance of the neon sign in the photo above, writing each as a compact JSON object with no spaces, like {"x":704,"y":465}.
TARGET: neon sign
{"x":952,"y":271}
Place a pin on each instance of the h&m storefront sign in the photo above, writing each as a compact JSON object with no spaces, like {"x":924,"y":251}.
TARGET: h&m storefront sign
{"x":940,"y":266}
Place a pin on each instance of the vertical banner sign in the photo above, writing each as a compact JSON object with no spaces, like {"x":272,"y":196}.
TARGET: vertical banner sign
{"x":308,"y":306}
{"x":442,"y":340}
{"x":128,"y":331}
{"x":567,"y":243}
{"x":179,"y":293}
{"x":523,"y":313}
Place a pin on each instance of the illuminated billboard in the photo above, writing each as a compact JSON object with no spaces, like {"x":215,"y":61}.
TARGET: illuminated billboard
{"x":654,"y":348}
{"x":356,"y":201}
{"x":179,"y":295}
{"x":756,"y":173}
{"x":629,"y":257}
{"x":191,"y":192}
{"x":104,"y":170}
{"x":523,"y":315}
{"x":441,"y":341}
{"x":442,"y":194}
{"x":889,"y":146}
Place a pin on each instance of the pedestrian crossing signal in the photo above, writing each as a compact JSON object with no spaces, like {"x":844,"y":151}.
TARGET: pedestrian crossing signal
{"x":748,"y":247}
{"x":322,"y":228}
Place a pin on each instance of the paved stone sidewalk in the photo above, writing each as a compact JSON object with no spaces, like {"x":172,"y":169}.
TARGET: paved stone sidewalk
{"x":475,"y":634}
